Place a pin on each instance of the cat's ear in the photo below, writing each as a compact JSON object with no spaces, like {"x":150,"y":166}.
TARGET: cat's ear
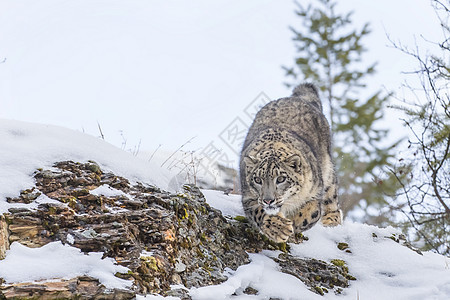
{"x":250,"y":161}
{"x":294,"y":162}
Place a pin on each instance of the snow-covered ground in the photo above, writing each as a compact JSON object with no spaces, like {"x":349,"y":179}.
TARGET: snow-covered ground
{"x":55,"y":260}
{"x":383,"y":268}
{"x":24,"y":147}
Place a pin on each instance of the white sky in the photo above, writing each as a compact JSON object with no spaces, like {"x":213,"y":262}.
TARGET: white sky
{"x":165,"y":71}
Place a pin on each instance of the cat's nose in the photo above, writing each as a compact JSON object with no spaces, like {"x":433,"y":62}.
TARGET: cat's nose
{"x":268,"y":201}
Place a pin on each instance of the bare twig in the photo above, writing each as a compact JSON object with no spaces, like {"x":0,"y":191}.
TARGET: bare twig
{"x":179,"y":148}
{"x":100,"y":129}
{"x":153,"y":154}
{"x":137,"y":148}
{"x":425,"y":198}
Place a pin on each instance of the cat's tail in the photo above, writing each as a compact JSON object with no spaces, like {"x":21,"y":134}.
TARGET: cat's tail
{"x":308,"y":92}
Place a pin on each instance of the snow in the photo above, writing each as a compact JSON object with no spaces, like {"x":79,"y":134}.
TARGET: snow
{"x":107,"y":191}
{"x":4,"y":206}
{"x":146,"y":253}
{"x":55,"y":260}
{"x":25,"y":147}
{"x":189,"y":167}
{"x":230,"y":205}
{"x":383,"y":268}
{"x":70,"y":239}
{"x":261,"y":274}
{"x":155,"y":297}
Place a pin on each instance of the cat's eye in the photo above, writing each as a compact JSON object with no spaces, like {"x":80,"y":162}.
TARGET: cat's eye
{"x":281,"y":179}
{"x":257,"y":180}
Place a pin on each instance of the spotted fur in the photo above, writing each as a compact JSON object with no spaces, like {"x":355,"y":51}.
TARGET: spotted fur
{"x":287,"y":174}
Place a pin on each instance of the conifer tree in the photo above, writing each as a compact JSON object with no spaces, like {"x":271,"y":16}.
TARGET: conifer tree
{"x":329,"y":54}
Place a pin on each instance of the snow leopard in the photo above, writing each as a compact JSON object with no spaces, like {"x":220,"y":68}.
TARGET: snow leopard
{"x":287,"y":174}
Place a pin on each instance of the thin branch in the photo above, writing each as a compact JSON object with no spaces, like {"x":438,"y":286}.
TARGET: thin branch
{"x":151,"y":157}
{"x":179,"y":148}
{"x":101,"y":132}
{"x":434,"y":182}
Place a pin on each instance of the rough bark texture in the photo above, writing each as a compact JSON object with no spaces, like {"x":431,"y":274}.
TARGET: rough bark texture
{"x":186,"y":241}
